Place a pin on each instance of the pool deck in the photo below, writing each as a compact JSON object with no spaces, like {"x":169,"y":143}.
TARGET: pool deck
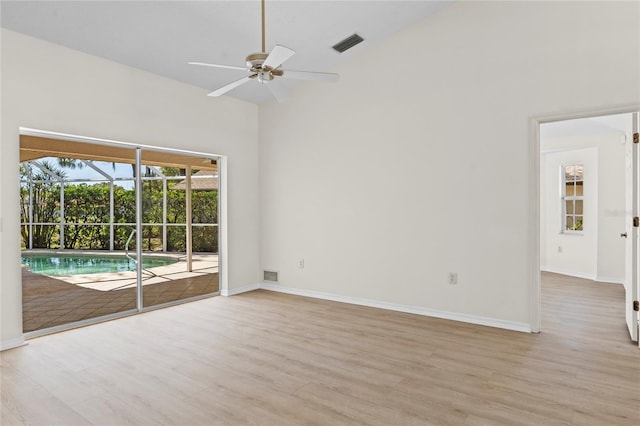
{"x":201,"y":264}
{"x":50,"y":301}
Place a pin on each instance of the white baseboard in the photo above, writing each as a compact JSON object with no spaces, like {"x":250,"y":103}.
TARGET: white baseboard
{"x":12,"y":343}
{"x":611,"y":280}
{"x":473,"y":319}
{"x":569,"y":273}
{"x":243,"y":289}
{"x":598,"y":278}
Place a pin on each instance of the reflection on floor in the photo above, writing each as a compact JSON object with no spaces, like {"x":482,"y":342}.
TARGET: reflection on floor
{"x":49,"y":302}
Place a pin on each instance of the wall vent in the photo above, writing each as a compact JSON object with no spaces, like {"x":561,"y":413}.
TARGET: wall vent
{"x":270,"y":276}
{"x":347,"y":43}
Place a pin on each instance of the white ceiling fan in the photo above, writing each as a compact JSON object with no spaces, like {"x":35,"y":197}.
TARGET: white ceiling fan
{"x":265,"y":67}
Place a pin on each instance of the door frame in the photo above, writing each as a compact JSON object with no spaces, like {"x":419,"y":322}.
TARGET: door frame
{"x":535,"y":301}
{"x":631,"y":242}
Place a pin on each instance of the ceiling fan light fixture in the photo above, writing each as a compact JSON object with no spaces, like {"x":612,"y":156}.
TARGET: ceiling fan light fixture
{"x":265,"y":77}
{"x":264,"y":67}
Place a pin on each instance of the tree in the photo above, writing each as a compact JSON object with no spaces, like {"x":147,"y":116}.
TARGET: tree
{"x":87,"y":211}
{"x":124,"y":211}
{"x":86,"y":205}
{"x":45,"y":193}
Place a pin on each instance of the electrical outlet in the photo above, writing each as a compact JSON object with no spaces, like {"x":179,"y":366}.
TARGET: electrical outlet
{"x":301,"y":264}
{"x":453,"y":278}
{"x":559,"y":249}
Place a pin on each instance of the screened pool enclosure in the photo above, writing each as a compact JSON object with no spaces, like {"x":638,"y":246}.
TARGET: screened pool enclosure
{"x":85,"y":205}
{"x":89,"y":203}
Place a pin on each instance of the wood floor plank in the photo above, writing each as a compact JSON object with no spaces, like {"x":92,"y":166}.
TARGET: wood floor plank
{"x":29,"y":403}
{"x":264,"y":358}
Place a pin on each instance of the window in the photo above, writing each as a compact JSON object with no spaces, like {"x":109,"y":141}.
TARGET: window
{"x":573,"y":198}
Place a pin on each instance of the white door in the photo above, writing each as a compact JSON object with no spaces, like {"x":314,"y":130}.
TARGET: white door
{"x":632,"y":243}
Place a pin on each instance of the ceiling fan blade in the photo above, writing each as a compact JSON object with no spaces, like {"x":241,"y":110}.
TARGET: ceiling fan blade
{"x":278,"y":55}
{"x":230,"y":86}
{"x":310,"y":75}
{"x":230,"y":67}
{"x":279,"y":92}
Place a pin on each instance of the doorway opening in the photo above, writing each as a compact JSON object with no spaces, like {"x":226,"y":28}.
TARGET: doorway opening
{"x":110,"y":229}
{"x":587,"y":201}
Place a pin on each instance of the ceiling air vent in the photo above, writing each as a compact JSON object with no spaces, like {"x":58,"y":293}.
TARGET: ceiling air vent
{"x":270,"y":276}
{"x":347,"y":43}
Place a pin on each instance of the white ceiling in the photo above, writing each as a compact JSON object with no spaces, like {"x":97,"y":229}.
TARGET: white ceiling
{"x":162,"y":36}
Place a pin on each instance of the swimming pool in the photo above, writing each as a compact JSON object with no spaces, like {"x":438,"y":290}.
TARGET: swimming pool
{"x":76,"y":264}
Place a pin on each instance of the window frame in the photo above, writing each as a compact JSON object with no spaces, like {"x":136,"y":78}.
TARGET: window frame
{"x":573,"y":198}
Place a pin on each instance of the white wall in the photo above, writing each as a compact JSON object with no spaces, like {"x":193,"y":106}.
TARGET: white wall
{"x":609,"y":249}
{"x":48,"y":87}
{"x":417,"y":163}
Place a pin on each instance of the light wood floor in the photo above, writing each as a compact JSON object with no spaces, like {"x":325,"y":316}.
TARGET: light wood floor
{"x":274,"y":359}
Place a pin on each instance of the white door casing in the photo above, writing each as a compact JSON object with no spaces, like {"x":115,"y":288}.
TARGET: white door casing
{"x":632,"y":248}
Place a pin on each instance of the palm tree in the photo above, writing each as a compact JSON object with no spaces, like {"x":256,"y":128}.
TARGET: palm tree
{"x":71,"y":163}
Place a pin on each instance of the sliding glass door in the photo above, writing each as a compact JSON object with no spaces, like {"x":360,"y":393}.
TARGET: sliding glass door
{"x":110,"y":229}
{"x":179,"y":230}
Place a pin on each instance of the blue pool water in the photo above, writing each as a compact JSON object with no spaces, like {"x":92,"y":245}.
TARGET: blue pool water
{"x":75,"y":264}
